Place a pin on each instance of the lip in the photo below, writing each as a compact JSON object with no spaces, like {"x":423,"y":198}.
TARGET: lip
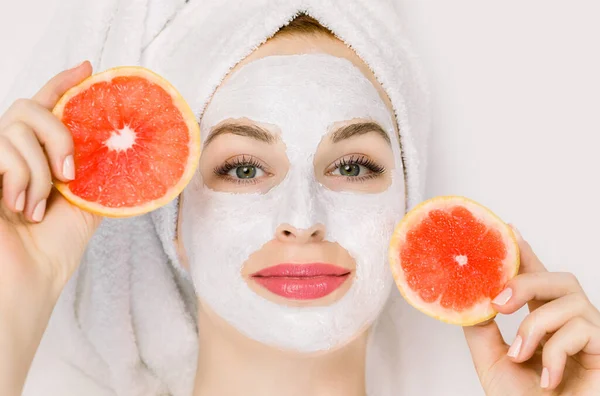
{"x":302,"y":281}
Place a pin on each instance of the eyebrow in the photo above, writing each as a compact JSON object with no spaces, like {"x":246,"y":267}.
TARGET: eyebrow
{"x":251,"y":131}
{"x":358,"y":129}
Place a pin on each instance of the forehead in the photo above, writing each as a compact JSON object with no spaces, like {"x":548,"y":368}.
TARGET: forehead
{"x":297,"y":92}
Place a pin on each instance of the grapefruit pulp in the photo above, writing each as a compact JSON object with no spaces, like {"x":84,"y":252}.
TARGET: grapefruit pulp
{"x":450,"y":256}
{"x":137,"y":142}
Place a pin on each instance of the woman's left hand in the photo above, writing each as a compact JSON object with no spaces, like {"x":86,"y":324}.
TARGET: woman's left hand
{"x":557,"y":347}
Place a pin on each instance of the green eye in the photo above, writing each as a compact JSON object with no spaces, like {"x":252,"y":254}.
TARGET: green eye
{"x":242,"y":169}
{"x":356,"y":167}
{"x":350,"y":170}
{"x":245,"y":172}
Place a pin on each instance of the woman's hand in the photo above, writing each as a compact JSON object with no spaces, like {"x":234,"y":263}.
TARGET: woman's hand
{"x":557,"y":347}
{"x":42,"y":236}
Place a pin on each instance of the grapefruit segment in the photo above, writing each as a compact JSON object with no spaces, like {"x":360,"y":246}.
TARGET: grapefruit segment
{"x":137,"y":142}
{"x":450,"y":256}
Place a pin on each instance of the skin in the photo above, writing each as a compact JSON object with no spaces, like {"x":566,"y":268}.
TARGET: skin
{"x":41,"y":249}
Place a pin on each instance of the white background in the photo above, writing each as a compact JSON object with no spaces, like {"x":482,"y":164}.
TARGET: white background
{"x":516,"y":95}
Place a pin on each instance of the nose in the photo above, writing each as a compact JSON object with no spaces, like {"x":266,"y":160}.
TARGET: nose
{"x":288,"y":234}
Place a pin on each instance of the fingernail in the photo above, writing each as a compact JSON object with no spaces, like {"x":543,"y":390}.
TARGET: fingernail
{"x":515,"y":348}
{"x":20,"y":202}
{"x":503,"y":297}
{"x":545,"y":380}
{"x":38,"y":212}
{"x":69,"y":168}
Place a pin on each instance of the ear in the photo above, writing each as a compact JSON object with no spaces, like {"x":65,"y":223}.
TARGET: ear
{"x":178,"y":240}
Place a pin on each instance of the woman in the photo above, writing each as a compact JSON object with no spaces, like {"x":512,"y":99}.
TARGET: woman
{"x":303,"y":146}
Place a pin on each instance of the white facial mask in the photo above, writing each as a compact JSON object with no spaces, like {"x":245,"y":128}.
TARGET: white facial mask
{"x":303,"y":95}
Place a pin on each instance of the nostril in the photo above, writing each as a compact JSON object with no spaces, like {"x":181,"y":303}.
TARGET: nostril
{"x":286,"y":233}
{"x":289,"y":234}
{"x":318,"y":233}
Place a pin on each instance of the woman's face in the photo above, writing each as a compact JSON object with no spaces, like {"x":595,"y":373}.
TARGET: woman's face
{"x":300,"y":184}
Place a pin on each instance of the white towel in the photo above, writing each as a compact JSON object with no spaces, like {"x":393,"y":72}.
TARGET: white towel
{"x":125,"y":324}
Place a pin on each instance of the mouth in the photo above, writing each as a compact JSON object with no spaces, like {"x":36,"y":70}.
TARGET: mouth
{"x":302,"y":281}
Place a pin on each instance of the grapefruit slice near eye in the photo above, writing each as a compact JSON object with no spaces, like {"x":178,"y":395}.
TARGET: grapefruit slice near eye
{"x":450,"y":256}
{"x":137,"y":142}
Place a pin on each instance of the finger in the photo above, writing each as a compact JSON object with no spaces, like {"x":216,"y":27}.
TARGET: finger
{"x":486,"y":345}
{"x":529,"y":261}
{"x":577,"y":335}
{"x":50,"y":132}
{"x":548,"y":319}
{"x":24,"y":140}
{"x":538,"y":287}
{"x":56,"y":87}
{"x":14,"y":174}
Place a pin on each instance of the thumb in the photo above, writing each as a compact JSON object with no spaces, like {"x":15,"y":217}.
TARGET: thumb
{"x":486,"y":345}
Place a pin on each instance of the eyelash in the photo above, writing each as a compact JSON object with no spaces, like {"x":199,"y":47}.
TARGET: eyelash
{"x":376,"y":169}
{"x":223,"y":170}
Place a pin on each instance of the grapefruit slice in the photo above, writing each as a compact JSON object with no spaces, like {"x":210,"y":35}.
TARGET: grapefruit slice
{"x":137,"y":142}
{"x":450,"y":256}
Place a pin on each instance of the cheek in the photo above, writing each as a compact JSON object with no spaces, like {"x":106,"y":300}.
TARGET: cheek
{"x":363,"y":226}
{"x":364,"y":222}
{"x":221,"y":230}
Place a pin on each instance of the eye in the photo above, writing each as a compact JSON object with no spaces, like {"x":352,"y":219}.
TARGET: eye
{"x":352,"y":170}
{"x":356,"y":168}
{"x":246,"y":172}
{"x":242,"y":169}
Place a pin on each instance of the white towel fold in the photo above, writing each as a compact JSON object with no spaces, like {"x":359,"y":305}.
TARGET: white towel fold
{"x":125,"y":325}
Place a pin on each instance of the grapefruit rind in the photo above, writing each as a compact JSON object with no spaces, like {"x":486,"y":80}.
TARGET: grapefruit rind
{"x":189,"y":119}
{"x":483,"y":310}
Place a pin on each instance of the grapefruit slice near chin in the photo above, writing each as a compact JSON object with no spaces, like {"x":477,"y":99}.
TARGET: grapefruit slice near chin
{"x":450,"y":256}
{"x":137,"y":142}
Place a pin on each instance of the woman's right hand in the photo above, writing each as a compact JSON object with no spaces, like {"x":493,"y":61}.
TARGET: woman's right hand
{"x":42,"y":236}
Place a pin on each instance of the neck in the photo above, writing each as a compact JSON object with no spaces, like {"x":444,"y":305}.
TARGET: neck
{"x":229,"y":363}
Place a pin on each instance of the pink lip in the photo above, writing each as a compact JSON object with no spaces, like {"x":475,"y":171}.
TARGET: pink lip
{"x":302,"y":281}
